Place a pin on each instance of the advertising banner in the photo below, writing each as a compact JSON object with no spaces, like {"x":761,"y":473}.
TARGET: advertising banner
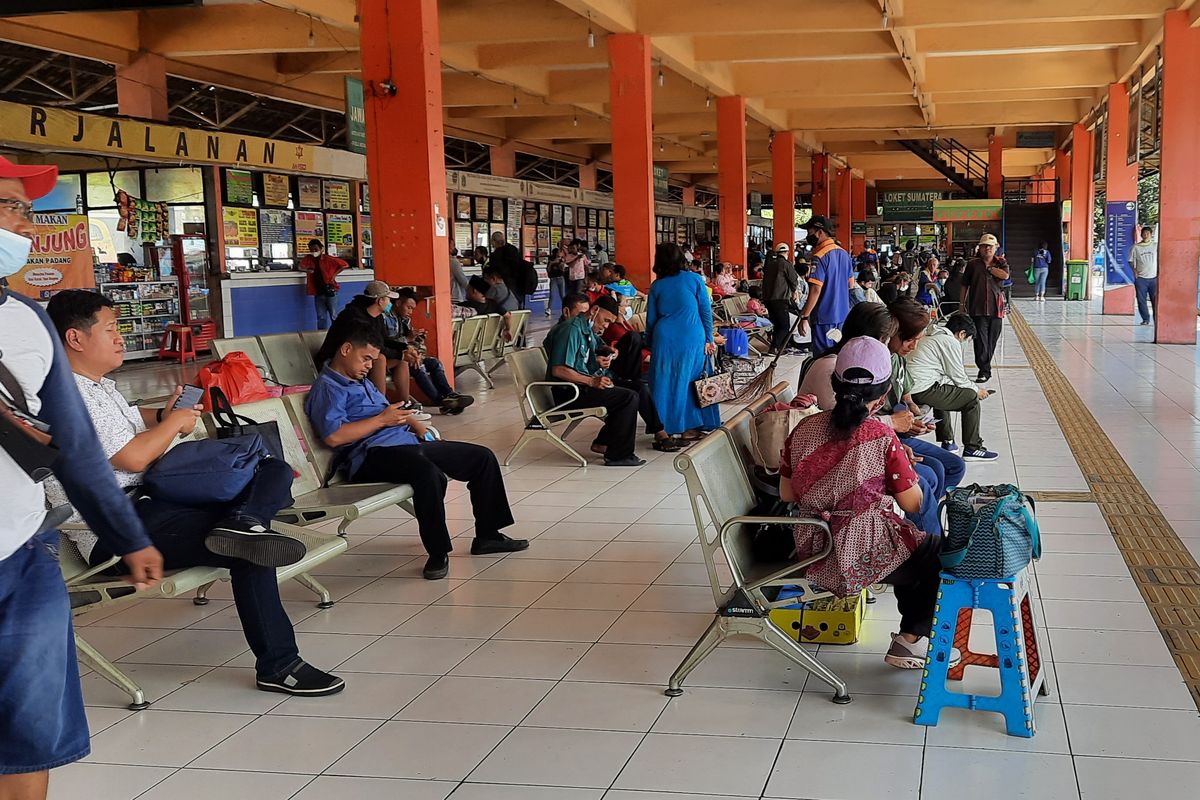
{"x":356,"y":117}
{"x":310,"y":192}
{"x":309,"y":225}
{"x":337,"y":195}
{"x":1120,"y":221}
{"x":240,"y":226}
{"x":339,"y":232}
{"x":61,"y":257}
{"x":275,"y":190}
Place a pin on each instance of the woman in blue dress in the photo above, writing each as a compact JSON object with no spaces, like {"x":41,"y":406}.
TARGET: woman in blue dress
{"x":679,"y":328}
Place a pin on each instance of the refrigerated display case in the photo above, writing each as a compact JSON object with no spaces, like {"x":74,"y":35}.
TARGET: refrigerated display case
{"x":186,"y":260}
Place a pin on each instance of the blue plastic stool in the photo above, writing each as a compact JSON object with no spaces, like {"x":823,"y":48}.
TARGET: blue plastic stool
{"x":1018,"y":658}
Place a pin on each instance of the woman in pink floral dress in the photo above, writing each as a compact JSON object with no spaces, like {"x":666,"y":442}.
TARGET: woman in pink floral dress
{"x":847,"y":467}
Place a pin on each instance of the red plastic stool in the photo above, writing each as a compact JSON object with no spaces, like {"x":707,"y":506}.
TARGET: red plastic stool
{"x":177,"y":342}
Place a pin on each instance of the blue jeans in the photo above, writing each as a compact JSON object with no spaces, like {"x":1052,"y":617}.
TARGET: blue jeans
{"x":178,"y":532}
{"x":928,"y":518}
{"x":558,"y":286}
{"x":42,"y":724}
{"x":950,"y":468}
{"x":326,"y":310}
{"x":1146,"y":288}
{"x":430,"y":378}
{"x":1041,"y":275}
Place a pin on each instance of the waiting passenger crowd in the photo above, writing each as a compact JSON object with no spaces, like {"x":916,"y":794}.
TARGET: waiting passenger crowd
{"x":880,"y":374}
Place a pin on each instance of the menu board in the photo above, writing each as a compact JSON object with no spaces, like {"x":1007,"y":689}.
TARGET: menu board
{"x":462,"y":238}
{"x":463,"y":206}
{"x":309,"y":225}
{"x":337,"y":195}
{"x":556,"y":215}
{"x":310,"y":192}
{"x":543,"y":214}
{"x":364,"y":195}
{"x":531,"y":214}
{"x":240,"y":226}
{"x":515,"y":208}
{"x":339,"y":231}
{"x":543,"y":238}
{"x":276,"y":227}
{"x":568,"y":215}
{"x":239,"y":188}
{"x":275,"y":190}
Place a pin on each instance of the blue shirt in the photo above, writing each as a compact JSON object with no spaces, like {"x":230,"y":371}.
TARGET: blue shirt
{"x":335,"y":400}
{"x":831,"y":271}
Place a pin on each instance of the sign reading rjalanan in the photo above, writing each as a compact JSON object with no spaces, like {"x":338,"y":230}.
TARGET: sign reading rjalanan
{"x":71,"y":130}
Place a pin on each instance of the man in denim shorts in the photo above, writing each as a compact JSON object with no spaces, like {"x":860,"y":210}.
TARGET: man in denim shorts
{"x":42,"y":723}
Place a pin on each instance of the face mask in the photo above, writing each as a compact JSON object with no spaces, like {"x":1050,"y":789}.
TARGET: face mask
{"x":388,"y":308}
{"x":628,"y":312}
{"x":812,"y":240}
{"x":14,"y":252}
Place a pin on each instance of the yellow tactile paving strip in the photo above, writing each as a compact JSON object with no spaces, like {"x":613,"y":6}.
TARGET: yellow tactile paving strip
{"x":1165,"y":572}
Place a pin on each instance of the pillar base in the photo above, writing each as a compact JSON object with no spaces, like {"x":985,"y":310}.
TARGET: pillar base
{"x":1119,"y":300}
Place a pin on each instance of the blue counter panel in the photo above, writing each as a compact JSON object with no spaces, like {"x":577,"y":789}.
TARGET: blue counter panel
{"x":283,"y":308}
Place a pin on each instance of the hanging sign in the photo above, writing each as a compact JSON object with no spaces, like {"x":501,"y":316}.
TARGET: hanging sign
{"x":240,"y":226}
{"x":908,"y":206}
{"x":1120,"y":222}
{"x":661,"y":174}
{"x":61,"y":257}
{"x":356,"y":117}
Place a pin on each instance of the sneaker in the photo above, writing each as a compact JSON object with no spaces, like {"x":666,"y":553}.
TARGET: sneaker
{"x":906,"y":655}
{"x":981,"y":378}
{"x":303,"y":679}
{"x":436,"y":568}
{"x":422,"y":416}
{"x":455,"y":403}
{"x":497,"y":544}
{"x":979,"y":454}
{"x":411,"y":405}
{"x":1145,"y":322}
{"x":249,"y":541}
{"x":950,"y":447}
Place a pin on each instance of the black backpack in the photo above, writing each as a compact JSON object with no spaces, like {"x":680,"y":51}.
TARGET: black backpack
{"x":526,"y":278}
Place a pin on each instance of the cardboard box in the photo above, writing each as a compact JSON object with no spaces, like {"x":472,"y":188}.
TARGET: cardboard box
{"x":828,"y":621}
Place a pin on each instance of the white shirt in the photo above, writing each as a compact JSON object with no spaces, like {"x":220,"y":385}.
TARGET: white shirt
{"x":28,"y":352}
{"x":116,"y":423}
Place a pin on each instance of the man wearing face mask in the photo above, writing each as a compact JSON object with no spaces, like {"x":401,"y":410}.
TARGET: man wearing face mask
{"x":829,"y":285}
{"x":42,"y":722}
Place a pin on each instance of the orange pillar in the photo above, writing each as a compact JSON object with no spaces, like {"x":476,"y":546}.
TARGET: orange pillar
{"x":689,"y":196}
{"x":731,"y":177}
{"x":995,"y":185}
{"x":1179,"y":204}
{"x":858,"y":212}
{"x":820,"y":182}
{"x":633,"y":162}
{"x":504,"y":160}
{"x":406,"y":160}
{"x":845,"y":205}
{"x":1081,"y":195}
{"x":587,"y":176}
{"x":1062,"y":169}
{"x":1120,"y":187}
{"x":783,"y":188}
{"x":142,"y":87}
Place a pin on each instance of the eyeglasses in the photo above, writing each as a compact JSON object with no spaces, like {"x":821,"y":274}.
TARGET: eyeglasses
{"x":18,"y":207}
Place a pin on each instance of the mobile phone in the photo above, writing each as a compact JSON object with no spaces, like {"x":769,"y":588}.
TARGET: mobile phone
{"x":991,"y":392}
{"x":190,"y":397}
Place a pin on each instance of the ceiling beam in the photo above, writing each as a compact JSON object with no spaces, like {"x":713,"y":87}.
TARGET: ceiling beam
{"x":952,"y":13}
{"x":482,"y":22}
{"x":750,"y":48}
{"x":557,"y":55}
{"x":236,"y":29}
{"x":770,"y":17}
{"x":291,"y":64}
{"x":977,"y":39}
{"x":111,"y":37}
{"x":803,"y":101}
{"x":822,"y":78}
{"x":1042,"y":70}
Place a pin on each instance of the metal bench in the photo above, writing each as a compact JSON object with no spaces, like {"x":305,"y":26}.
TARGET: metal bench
{"x":289,"y":357}
{"x":541,"y":411}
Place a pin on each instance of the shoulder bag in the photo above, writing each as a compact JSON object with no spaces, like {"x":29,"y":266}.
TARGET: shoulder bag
{"x":991,"y":532}
{"x":231,"y":424}
{"x":205,"y":471}
{"x":713,"y":387}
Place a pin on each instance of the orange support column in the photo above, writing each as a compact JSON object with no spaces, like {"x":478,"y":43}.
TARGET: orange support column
{"x":995,"y":185}
{"x":845,"y":205}
{"x":406,"y":161}
{"x":858,"y":213}
{"x":731,"y":178}
{"x":1081,"y":196}
{"x":783,"y":188}
{"x":820,"y":185}
{"x":633,"y":163}
{"x":1120,"y":187}
{"x":689,"y":196}
{"x":504,"y":160}
{"x":1062,"y":168}
{"x":587,"y":176}
{"x":142,"y":87}
{"x":1179,"y":203}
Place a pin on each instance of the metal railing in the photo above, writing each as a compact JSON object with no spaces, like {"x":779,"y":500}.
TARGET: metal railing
{"x":960,"y":158}
{"x":1031,"y":190}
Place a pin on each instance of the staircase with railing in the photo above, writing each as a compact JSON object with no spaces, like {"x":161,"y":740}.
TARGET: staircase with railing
{"x":955,"y":161}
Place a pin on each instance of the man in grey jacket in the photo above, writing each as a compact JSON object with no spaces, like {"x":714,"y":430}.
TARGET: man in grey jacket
{"x":1143,"y":257}
{"x":778,"y":290}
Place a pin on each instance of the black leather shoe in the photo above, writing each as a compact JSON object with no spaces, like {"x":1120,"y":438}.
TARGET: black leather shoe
{"x":436,"y":568}
{"x":503,"y":544}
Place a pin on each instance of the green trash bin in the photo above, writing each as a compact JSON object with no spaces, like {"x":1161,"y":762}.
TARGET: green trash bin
{"x":1076,"y":279}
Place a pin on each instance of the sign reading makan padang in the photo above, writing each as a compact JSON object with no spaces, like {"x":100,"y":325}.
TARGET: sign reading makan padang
{"x":71,"y":130}
{"x":60,"y":258}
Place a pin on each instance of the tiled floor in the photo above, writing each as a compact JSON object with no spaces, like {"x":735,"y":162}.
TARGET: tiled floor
{"x":539,"y":675}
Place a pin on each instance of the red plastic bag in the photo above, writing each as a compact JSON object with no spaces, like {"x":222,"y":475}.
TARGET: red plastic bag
{"x":236,"y":376}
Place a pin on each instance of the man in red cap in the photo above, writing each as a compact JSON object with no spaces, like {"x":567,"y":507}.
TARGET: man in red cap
{"x":43,"y":424}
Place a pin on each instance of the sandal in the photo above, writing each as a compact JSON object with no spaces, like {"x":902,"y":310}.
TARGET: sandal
{"x":667,"y":445}
{"x":682,"y":443}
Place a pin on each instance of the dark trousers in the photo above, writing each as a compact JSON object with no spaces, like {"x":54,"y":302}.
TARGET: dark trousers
{"x":428,"y":467}
{"x":1146,"y":288}
{"x":948,"y":468}
{"x":430,"y":378}
{"x":777,"y":312}
{"x":620,"y":425}
{"x":987,"y":336}
{"x":944,"y":398}
{"x":916,"y":584}
{"x":179,"y":531}
{"x":627,"y":374}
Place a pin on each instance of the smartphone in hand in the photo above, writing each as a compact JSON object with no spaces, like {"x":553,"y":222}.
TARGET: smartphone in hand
{"x":189,"y":398}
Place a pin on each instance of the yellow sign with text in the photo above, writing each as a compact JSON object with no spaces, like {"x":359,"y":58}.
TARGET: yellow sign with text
{"x":70,"y":130}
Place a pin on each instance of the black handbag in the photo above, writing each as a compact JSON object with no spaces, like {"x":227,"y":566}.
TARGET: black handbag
{"x":25,"y":438}
{"x":230,"y":424}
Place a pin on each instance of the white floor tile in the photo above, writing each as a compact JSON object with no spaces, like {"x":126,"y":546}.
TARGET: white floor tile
{"x":414,"y":655}
{"x":590,"y":596}
{"x":1122,"y":685}
{"x":463,"y":622}
{"x":522,"y":659}
{"x":428,"y":750}
{"x":709,"y":764}
{"x":366,"y":696}
{"x":1133,"y":732}
{"x":558,"y":757}
{"x":496,"y":791}
{"x":845,"y":770}
{"x":599,"y":706}
{"x":1134,"y":648}
{"x":362,"y":618}
{"x":558,"y":625}
{"x":204,"y":784}
{"x":878,"y":719}
{"x":486,"y":701}
{"x":1029,"y":776}
{"x":1123,"y":778}
{"x":103,"y":781}
{"x":153,"y":738}
{"x":729,"y":712}
{"x":287,"y":744}
{"x":327,"y":786}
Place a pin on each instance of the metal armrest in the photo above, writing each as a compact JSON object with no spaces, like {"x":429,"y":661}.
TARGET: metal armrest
{"x":90,"y":571}
{"x":727,"y":529}
{"x":529,"y":399}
